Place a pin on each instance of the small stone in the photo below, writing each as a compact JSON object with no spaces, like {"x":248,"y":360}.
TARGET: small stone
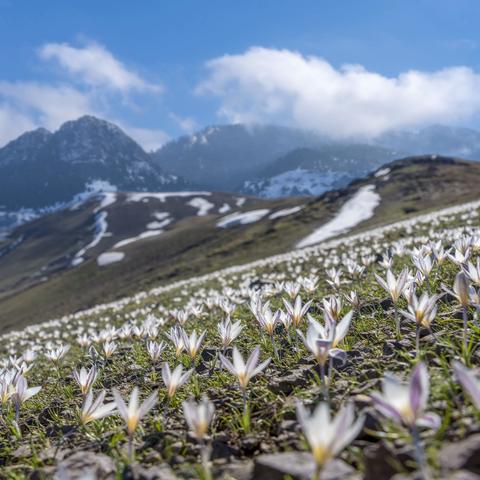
{"x":250,"y":444}
{"x":287,"y":383}
{"x":236,"y":471}
{"x":299,"y":466}
{"x":288,"y":425}
{"x":85,"y":464}
{"x":22,"y":452}
{"x":464,"y":454}
{"x":160,"y":472}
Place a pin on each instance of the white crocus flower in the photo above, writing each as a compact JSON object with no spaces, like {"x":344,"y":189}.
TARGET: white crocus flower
{"x":193,"y":343}
{"x":405,"y":403}
{"x":174,"y":380}
{"x":198,"y":416}
{"x":21,"y":393}
{"x":473,"y":272}
{"x":297,"y":311}
{"x":229,"y":331}
{"x":328,"y":436}
{"x":468,"y":381}
{"x":85,"y":379}
{"x":109,"y":348}
{"x":133,"y":413}
{"x":244,"y":371}
{"x":176,"y":337}
{"x":155,"y":350}
{"x":95,"y":410}
{"x":394,"y":286}
{"x":56,"y":354}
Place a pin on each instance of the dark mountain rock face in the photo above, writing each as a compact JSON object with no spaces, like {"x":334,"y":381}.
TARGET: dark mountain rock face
{"x":40,"y":168}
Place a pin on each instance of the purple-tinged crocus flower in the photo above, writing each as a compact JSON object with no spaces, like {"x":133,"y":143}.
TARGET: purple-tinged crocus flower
{"x":469,"y":382}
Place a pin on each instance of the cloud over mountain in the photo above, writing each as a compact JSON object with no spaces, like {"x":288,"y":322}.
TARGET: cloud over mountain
{"x":270,"y":85}
{"x":90,"y":81}
{"x":96,"y":66}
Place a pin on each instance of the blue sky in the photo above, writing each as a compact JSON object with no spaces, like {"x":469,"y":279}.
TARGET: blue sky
{"x":164,"y":68}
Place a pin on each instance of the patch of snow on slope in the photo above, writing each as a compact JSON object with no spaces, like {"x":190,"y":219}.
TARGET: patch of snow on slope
{"x":161,"y":215}
{"x":294,"y":182}
{"x":100,"y":230}
{"x":242,"y":218}
{"x":128,"y":241}
{"x":158,"y":225}
{"x":285,"y":212}
{"x":359,"y":208}
{"x":240,"y":201}
{"x":138,"y":197}
{"x":95,"y":188}
{"x":203,"y":206}
{"x":109,"y":257}
{"x":108,"y":199}
{"x":382,"y":172}
{"x":224,"y":208}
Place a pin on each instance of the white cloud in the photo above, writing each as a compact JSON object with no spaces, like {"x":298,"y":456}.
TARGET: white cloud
{"x":12,"y":124}
{"x":96,"y":66}
{"x":100,"y":82}
{"x":186,"y":124}
{"x":149,"y":139}
{"x":268,"y":85}
{"x":46,"y":105}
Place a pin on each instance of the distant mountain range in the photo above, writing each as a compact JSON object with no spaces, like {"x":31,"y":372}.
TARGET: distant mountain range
{"x":41,"y":171}
{"x":41,"y":168}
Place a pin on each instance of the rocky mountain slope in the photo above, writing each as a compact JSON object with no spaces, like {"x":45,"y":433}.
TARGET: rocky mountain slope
{"x":109,"y":246}
{"x":313,"y":171}
{"x":223,"y":157}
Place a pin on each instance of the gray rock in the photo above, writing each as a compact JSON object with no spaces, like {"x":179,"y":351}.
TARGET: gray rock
{"x":236,"y":471}
{"x":460,"y":455}
{"x":160,"y":472}
{"x":85,"y":465}
{"x":299,"y":466}
{"x":299,"y":377}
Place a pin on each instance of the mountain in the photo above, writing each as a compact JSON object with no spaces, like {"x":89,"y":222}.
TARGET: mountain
{"x":435,"y":139}
{"x":224,"y":157}
{"x":115,"y":243}
{"x":40,"y":169}
{"x":313,"y":171}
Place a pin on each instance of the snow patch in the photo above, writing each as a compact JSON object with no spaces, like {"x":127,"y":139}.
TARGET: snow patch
{"x":203,"y":206}
{"x":109,"y":257}
{"x":285,"y":212}
{"x":239,"y":202}
{"x":158,"y":225}
{"x":100,"y":229}
{"x":382,"y":172}
{"x":128,"y":241}
{"x":359,"y":208}
{"x":141,"y":196}
{"x":224,"y":208}
{"x":294,"y":183}
{"x":161,"y":215}
{"x":242,"y":218}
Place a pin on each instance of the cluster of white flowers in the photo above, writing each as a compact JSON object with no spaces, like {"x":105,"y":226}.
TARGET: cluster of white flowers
{"x":291,"y":281}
